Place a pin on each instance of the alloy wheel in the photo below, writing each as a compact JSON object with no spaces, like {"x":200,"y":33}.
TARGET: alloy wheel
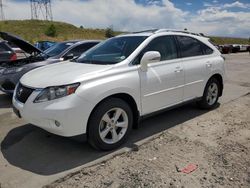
{"x":212,"y":94}
{"x":113,"y":125}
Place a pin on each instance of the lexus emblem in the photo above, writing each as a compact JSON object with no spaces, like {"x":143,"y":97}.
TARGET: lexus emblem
{"x":20,"y":91}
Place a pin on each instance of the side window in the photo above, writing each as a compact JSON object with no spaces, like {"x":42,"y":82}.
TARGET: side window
{"x":78,"y":50}
{"x":207,"y":50}
{"x":189,"y":46}
{"x":165,"y":45}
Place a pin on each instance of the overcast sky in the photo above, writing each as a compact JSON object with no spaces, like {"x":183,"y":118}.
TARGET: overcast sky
{"x":222,"y":18}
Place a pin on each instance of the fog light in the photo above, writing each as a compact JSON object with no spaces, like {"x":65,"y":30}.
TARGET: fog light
{"x":58,"y":124}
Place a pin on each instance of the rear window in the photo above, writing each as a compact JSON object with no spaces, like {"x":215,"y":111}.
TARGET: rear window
{"x":4,"y":47}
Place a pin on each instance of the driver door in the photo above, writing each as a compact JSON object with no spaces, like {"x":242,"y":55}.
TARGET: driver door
{"x":162,"y":84}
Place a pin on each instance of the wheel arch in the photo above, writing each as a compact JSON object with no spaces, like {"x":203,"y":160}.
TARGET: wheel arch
{"x":128,"y":99}
{"x":219,"y":78}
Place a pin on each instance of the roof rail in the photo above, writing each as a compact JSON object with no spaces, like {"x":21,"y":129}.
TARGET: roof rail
{"x":168,"y":30}
{"x":178,"y":31}
{"x":147,"y":31}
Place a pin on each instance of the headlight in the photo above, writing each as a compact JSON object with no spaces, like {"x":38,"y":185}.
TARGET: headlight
{"x":55,"y":92}
{"x":13,"y":70}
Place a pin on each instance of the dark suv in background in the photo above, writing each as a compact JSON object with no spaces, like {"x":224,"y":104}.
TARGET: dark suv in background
{"x":11,"y":72}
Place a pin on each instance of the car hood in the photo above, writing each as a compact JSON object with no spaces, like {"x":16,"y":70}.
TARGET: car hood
{"x":62,"y":73}
{"x":25,"y":46}
{"x":41,"y":63}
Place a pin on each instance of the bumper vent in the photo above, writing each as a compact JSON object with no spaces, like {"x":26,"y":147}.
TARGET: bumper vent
{"x":23,"y":93}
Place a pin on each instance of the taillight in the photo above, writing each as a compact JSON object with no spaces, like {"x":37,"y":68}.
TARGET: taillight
{"x":13,"y":57}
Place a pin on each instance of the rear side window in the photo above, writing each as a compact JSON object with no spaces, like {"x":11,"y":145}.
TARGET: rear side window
{"x":207,"y":50}
{"x":189,"y":46}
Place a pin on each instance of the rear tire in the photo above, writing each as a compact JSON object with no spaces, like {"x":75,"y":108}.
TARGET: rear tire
{"x":211,"y":95}
{"x":109,"y":124}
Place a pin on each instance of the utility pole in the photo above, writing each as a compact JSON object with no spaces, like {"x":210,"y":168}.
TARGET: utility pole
{"x":1,"y":11}
{"x":41,"y":9}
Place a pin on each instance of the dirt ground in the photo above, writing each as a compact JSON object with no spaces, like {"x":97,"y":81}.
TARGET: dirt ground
{"x":218,"y":142}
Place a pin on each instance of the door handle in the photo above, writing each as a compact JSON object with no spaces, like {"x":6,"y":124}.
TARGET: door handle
{"x":209,"y":65}
{"x":178,"y":69}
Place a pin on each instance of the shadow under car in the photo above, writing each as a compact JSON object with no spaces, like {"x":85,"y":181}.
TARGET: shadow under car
{"x":33,"y":149}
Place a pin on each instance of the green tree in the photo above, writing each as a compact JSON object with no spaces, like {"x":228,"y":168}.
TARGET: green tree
{"x":109,"y":32}
{"x":51,"y":31}
{"x":81,"y":27}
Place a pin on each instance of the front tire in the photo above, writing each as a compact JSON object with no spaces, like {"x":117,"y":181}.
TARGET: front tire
{"x":109,"y":124}
{"x":211,"y":95}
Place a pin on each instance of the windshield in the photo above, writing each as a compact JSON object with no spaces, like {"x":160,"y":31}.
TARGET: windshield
{"x":112,"y":51}
{"x":58,"y":48}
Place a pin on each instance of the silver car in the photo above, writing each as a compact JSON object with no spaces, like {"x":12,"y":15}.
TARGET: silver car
{"x":11,"y":72}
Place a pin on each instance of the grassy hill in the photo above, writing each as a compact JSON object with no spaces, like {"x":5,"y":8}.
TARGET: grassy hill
{"x":228,"y":40}
{"x":34,"y":30}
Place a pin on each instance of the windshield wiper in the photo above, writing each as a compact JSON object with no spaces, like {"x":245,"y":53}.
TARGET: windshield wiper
{"x":97,"y":62}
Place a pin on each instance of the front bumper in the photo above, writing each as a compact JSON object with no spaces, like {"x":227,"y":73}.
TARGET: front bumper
{"x":67,"y":116}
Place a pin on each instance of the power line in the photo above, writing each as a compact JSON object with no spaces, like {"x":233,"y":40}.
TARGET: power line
{"x":41,"y":9}
{"x":2,"y":17}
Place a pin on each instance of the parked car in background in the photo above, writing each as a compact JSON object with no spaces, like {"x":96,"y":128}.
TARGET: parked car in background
{"x":235,"y":48}
{"x":16,"y":49}
{"x":109,"y":88}
{"x":44,"y":45}
{"x":227,"y":48}
{"x":69,"y":49}
{"x":243,"y":48}
{"x":10,"y":73}
{"x":7,"y":54}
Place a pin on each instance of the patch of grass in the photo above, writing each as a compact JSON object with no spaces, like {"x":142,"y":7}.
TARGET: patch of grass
{"x":227,"y":40}
{"x":34,"y":30}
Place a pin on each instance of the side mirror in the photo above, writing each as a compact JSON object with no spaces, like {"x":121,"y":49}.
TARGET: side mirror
{"x":149,"y":57}
{"x":68,"y":56}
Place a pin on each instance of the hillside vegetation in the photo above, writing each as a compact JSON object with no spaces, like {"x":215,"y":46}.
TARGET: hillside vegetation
{"x":227,"y":40}
{"x":34,"y":30}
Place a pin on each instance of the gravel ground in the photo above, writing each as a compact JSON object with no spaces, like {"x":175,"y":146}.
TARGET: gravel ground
{"x":218,"y":142}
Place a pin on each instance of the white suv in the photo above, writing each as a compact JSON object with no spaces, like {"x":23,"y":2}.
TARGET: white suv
{"x":110,"y":87}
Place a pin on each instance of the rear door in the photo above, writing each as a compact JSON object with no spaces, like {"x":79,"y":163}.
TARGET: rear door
{"x":162,"y":83}
{"x":196,"y":65}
